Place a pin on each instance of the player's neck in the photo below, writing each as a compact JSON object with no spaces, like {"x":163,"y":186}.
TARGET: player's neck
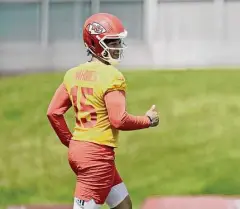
{"x":95,"y":59}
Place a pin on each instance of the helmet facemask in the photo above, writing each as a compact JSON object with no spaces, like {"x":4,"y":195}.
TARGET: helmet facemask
{"x":114,"y":47}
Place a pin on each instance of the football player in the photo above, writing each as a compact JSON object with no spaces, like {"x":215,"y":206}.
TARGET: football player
{"x":97,"y":92}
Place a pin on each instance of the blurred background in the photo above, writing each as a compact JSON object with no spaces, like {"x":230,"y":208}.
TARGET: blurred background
{"x":46,"y":34}
{"x":195,"y":151}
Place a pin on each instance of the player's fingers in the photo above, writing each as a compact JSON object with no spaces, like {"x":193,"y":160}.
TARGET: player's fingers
{"x":153,"y":107}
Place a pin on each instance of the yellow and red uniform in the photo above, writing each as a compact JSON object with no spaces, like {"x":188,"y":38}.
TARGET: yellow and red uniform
{"x":97,"y":93}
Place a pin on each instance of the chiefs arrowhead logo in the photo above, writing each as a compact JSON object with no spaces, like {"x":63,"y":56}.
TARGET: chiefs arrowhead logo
{"x":96,"y":28}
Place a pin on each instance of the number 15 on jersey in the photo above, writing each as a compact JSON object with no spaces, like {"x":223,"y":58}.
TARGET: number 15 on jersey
{"x":79,"y":97}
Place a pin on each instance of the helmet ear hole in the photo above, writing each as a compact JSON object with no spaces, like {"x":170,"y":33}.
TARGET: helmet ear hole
{"x":105,"y":53}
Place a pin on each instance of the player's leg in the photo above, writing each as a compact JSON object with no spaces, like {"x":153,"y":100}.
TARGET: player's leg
{"x":118,"y":197}
{"x":94,"y":174}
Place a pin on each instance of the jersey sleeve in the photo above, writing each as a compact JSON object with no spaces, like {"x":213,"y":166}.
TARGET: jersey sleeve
{"x":116,"y":83}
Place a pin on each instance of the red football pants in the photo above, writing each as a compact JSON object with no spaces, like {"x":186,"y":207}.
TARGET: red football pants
{"x":95,"y":169}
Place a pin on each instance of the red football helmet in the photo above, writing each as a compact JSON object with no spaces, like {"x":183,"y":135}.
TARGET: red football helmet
{"x":100,"y":30}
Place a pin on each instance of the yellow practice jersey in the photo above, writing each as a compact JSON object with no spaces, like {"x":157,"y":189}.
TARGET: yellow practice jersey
{"x":86,"y":85}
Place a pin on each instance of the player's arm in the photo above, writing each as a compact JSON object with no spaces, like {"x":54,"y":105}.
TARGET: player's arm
{"x":118,"y":116}
{"x":59,"y":104}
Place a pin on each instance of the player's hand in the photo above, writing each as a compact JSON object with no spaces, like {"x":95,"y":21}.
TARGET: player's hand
{"x":153,"y":116}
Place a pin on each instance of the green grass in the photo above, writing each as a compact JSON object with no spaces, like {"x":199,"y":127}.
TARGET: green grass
{"x":196,"y":149}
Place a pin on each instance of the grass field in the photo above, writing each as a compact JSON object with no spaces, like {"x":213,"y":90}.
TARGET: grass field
{"x":196,"y":150}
